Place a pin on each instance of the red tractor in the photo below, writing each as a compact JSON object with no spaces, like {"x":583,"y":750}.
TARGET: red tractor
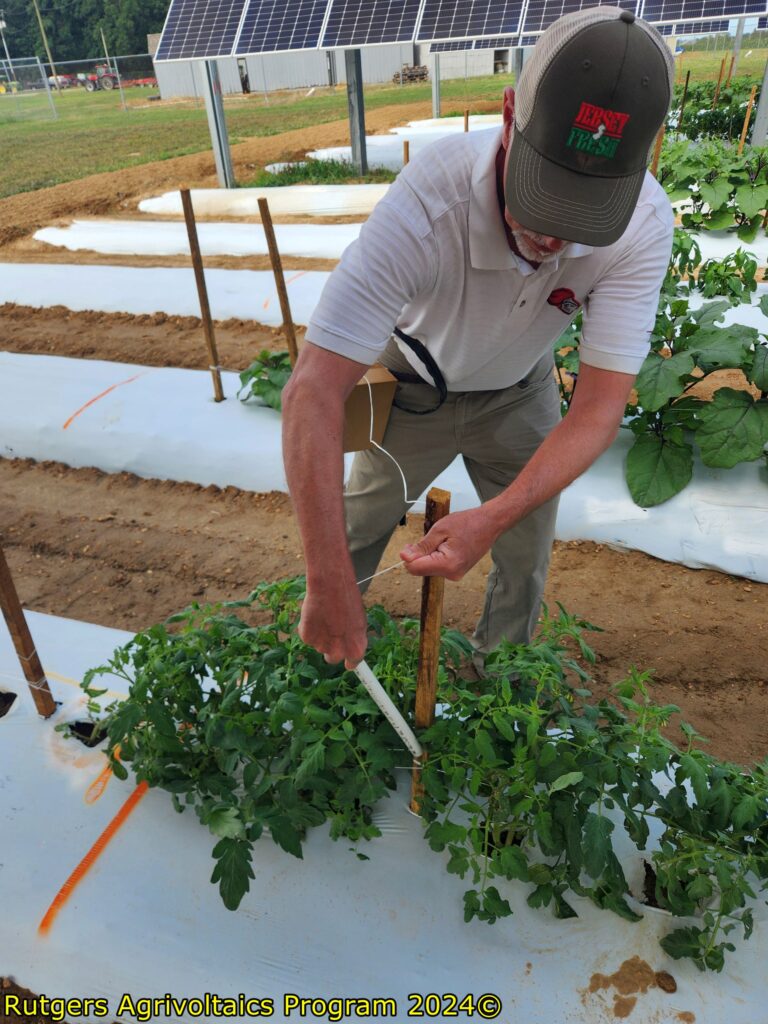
{"x":102,"y":78}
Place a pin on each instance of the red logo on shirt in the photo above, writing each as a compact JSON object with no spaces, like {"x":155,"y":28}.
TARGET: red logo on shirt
{"x":565,"y":300}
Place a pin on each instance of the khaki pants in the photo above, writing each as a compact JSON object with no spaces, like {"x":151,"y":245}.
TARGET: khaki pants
{"x":496,"y":433}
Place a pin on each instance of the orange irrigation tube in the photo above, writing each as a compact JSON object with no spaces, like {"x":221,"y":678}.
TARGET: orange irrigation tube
{"x":90,"y":858}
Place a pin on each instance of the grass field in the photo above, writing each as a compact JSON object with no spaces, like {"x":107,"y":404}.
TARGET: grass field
{"x":93,"y":133}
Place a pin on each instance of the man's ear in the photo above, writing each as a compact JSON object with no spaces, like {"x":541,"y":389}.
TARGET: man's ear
{"x":508,"y":115}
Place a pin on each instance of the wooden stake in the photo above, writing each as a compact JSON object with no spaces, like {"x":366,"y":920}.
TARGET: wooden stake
{"x":682,"y":102}
{"x":433,"y":588}
{"x":202,"y":294}
{"x":13,"y":614}
{"x":406,"y":151}
{"x":657,"y":151}
{"x":730,"y":71}
{"x":466,"y":119}
{"x":745,"y":129}
{"x":277,"y":270}
{"x":719,"y":80}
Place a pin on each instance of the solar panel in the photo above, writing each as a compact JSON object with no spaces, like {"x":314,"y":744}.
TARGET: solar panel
{"x":272,"y":26}
{"x":463,"y":44}
{"x":689,"y":28}
{"x":695,"y":10}
{"x":353,"y":23}
{"x":200,"y":28}
{"x":762,"y":23}
{"x":541,"y":13}
{"x":454,"y":19}
{"x":498,"y":43}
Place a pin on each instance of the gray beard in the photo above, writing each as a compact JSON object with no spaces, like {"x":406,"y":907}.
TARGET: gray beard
{"x":529,"y":253}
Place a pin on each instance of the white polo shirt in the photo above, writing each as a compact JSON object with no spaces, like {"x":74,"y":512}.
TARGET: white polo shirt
{"x":433,"y":259}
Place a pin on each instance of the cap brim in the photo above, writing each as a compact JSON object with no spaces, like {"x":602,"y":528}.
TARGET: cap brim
{"x":553,"y":200}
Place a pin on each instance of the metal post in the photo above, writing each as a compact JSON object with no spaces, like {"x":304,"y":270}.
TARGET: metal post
{"x":117,"y":69}
{"x":355,"y":99}
{"x":217,"y":125}
{"x":5,"y":46}
{"x":265,"y":90}
{"x":47,"y":47}
{"x":760,"y":126}
{"x":736,"y":49}
{"x":519,"y":56}
{"x":47,"y":89}
{"x":435,"y":85}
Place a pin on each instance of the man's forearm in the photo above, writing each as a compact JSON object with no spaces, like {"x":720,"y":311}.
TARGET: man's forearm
{"x":313,"y":425}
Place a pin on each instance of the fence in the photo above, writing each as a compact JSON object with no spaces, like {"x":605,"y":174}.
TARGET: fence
{"x":24,"y":90}
{"x":123,"y":77}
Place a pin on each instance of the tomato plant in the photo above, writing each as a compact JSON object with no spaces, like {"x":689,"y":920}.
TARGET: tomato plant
{"x":265,"y":378}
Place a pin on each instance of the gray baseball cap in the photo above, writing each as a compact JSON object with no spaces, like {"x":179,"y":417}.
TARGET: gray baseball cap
{"x":589,"y":104}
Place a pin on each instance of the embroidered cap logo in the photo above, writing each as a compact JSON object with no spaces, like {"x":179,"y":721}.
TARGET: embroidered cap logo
{"x":597,"y":130}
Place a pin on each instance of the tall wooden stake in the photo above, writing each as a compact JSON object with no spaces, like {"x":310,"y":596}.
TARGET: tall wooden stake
{"x":730,"y":71}
{"x":13,"y":614}
{"x":745,"y":129}
{"x":682,"y":102}
{"x":202,"y":293}
{"x":719,"y":82}
{"x":466,"y":119}
{"x":277,"y":270}
{"x":432,"y":591}
{"x":406,"y":151}
{"x":657,"y":151}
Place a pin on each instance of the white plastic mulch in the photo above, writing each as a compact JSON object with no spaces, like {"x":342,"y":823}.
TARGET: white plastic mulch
{"x":387,"y":150}
{"x":294,"y":200}
{"x":166,"y":238}
{"x":164,"y":424}
{"x":145,"y":920}
{"x":244,"y":294}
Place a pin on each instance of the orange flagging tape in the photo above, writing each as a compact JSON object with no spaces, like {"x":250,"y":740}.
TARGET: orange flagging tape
{"x":102,"y":395}
{"x":90,"y":858}
{"x":288,"y":280}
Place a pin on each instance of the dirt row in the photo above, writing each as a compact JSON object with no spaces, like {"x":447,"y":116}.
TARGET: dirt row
{"x":125,"y":552}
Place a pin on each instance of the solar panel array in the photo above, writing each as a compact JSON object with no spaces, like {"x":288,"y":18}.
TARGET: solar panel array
{"x":203,"y":29}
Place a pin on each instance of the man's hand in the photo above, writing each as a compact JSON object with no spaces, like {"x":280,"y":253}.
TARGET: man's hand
{"x":453,"y":545}
{"x":335,"y":623}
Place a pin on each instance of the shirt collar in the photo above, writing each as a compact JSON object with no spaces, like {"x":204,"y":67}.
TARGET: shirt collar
{"x":488,"y":246}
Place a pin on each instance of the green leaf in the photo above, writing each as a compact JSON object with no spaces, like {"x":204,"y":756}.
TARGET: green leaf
{"x":724,"y":347}
{"x":233,"y":870}
{"x":286,"y":836}
{"x":750,"y":200}
{"x":471,"y":904}
{"x":719,"y":220}
{"x":504,"y":724}
{"x":733,"y":428}
{"x":564,"y":781}
{"x":745,"y":811}
{"x":485,"y":747}
{"x":661,"y":379}
{"x":597,"y":843}
{"x":747,"y":232}
{"x":693,"y":770}
{"x":514,"y":863}
{"x":226,"y":821}
{"x":759,"y":372}
{"x":657,"y":469}
{"x":312,"y":761}
{"x":683,"y":942}
{"x":715,"y":194}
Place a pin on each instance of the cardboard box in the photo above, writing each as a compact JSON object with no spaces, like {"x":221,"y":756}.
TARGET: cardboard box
{"x":357,"y":413}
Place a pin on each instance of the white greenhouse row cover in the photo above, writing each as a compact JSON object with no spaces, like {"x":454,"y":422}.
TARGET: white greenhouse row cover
{"x":244,"y":294}
{"x":166,"y":238}
{"x":145,"y":920}
{"x":164,"y":424}
{"x":284,"y":200}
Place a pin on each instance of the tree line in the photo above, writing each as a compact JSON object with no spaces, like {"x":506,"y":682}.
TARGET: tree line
{"x":73,"y":26}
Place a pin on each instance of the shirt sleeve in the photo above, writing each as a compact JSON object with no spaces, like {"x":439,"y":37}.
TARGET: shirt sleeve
{"x":393,"y":260}
{"x":620,"y":311}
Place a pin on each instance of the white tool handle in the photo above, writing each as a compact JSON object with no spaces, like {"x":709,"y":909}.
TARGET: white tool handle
{"x":387,"y":708}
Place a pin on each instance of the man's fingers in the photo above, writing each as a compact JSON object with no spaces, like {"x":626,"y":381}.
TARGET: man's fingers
{"x":426,"y":546}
